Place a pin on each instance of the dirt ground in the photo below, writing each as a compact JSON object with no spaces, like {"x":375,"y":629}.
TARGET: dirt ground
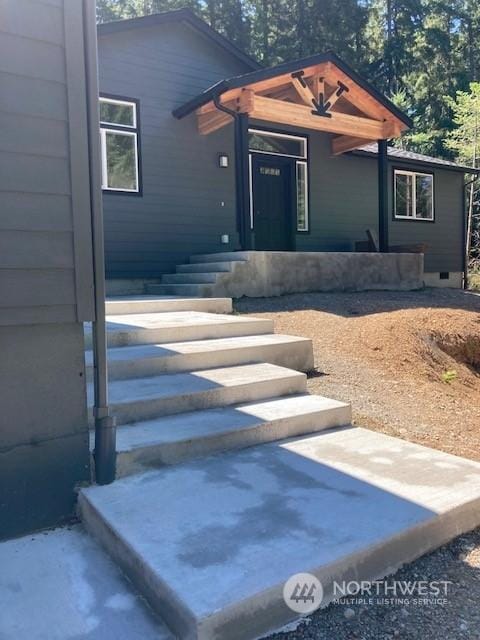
{"x":410,"y":365}
{"x":409,"y":362}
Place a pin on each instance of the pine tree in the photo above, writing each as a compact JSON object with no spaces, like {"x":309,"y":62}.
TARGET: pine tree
{"x":464,"y":140}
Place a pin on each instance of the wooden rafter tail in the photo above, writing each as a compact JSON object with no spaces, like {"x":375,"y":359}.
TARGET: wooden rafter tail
{"x":210,"y":122}
{"x":342,"y":144}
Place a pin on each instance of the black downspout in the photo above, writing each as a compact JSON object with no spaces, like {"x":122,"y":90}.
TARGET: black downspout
{"x":382,"y":196}
{"x":105,"y":426}
{"x":242,"y":179}
{"x":465,"y":231}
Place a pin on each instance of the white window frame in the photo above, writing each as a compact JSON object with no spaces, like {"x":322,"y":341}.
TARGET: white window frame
{"x":300,"y":159}
{"x":307,"y":208}
{"x":285,"y":136}
{"x":119,"y":129}
{"x":405,"y":172}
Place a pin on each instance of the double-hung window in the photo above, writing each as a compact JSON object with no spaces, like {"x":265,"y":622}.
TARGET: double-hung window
{"x":413,"y":195}
{"x":119,"y":145}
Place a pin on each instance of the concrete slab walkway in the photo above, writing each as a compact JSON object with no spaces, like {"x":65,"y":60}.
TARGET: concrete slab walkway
{"x":212,"y":542}
{"x":59,"y":585}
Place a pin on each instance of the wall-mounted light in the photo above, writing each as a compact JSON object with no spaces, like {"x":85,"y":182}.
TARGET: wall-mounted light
{"x":222,"y":160}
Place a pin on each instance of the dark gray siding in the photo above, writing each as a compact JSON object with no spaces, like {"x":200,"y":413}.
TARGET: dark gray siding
{"x":45,"y":262}
{"x":344,"y":204}
{"x":45,"y":252}
{"x":187,"y":202}
{"x":181,"y":211}
{"x":444,"y":236}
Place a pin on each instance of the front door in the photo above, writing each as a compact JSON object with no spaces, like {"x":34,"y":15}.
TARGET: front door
{"x":272,"y":202}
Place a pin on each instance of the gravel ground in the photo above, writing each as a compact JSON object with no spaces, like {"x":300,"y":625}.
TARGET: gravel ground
{"x":409,"y":363}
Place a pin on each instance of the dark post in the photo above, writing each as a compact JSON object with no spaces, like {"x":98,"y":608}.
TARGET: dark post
{"x":382,"y":196}
{"x":242,"y":180}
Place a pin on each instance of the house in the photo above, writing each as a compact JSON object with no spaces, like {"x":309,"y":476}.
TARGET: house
{"x":203,"y":151}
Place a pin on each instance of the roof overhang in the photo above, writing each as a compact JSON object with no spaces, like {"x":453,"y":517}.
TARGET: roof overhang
{"x":179,"y":15}
{"x":321,"y":93}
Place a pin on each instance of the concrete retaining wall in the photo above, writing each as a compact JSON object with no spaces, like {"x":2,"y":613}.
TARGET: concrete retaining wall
{"x":272,"y":273}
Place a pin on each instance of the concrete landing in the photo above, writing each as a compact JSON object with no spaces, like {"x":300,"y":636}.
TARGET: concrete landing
{"x":211,"y":542}
{"x":60,"y":585}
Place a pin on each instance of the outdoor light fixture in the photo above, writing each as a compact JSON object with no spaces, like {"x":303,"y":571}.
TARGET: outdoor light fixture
{"x":223,"y":160}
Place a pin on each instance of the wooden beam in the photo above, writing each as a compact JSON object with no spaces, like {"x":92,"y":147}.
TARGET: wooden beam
{"x":300,"y":115}
{"x":210,"y":122}
{"x":304,"y":92}
{"x":342,"y":144}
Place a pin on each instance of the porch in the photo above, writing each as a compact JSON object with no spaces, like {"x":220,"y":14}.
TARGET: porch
{"x":277,"y":114}
{"x":272,"y":273}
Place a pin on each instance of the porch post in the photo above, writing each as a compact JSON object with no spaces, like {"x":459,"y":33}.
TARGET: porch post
{"x":382,"y":196}
{"x":242,"y":180}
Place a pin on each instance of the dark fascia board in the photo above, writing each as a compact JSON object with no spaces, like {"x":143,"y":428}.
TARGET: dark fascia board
{"x":411,"y":162}
{"x":180,"y":15}
{"x":288,"y":67}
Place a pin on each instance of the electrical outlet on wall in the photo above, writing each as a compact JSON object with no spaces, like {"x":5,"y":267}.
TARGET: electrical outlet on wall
{"x":225,"y":238}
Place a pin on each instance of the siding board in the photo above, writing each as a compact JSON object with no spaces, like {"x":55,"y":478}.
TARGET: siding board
{"x":28,"y":249}
{"x":45,"y":22}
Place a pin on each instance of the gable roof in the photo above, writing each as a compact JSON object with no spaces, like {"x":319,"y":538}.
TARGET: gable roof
{"x":259,"y":75}
{"x":181,"y":15}
{"x":409,"y":156}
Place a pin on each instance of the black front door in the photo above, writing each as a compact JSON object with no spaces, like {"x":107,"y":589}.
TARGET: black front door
{"x":272,"y":202}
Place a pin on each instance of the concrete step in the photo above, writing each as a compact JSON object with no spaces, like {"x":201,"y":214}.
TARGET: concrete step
{"x":212,"y":542}
{"x":176,"y":289}
{"x":175,"y":326}
{"x":167,"y":394}
{"x":155,"y":304}
{"x":205,"y":267}
{"x":229,"y":256}
{"x":173,"y":439}
{"x":189,"y":278}
{"x":148,"y":360}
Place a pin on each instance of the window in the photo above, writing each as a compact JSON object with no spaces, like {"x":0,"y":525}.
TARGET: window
{"x":413,"y":195}
{"x":119,"y":145}
{"x":302,"y":197}
{"x":286,"y":145}
{"x":277,"y":143}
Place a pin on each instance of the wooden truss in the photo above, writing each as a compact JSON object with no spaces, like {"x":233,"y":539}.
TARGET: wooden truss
{"x":321,"y":98}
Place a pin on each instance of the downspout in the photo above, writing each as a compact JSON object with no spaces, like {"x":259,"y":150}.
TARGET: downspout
{"x":105,"y":425}
{"x":240,"y":121}
{"x":467,"y":230}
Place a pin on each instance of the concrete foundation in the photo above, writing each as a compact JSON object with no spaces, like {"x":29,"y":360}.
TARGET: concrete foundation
{"x":272,"y":273}
{"x":453,"y":281}
{"x":275,"y":273}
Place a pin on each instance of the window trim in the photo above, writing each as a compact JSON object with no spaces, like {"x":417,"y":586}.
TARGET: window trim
{"x":285,"y":136}
{"x":307,"y":203}
{"x":127,"y":129}
{"x":414,"y":173}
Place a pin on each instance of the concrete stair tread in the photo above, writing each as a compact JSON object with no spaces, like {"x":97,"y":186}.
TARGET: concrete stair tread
{"x":154,"y":303}
{"x":205,"y":267}
{"x":211,"y":542}
{"x":211,"y":422}
{"x":123,"y":391}
{"x":137,"y":399}
{"x":205,"y":277}
{"x":167,"y":349}
{"x":229,"y":256}
{"x":178,"y":289}
{"x":172,"y":439}
{"x":147,"y":328}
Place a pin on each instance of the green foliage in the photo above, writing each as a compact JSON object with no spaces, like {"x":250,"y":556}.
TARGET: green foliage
{"x":449,"y":376}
